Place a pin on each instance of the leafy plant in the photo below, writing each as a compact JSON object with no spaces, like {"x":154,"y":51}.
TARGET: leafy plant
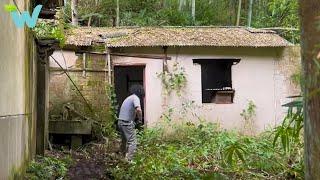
{"x":235,"y":151}
{"x":248,"y":117}
{"x":167,"y":116}
{"x":113,"y":104}
{"x":290,"y":130}
{"x":174,"y":80}
{"x":52,"y":30}
{"x":48,"y":168}
{"x":105,"y":128}
{"x":201,"y":151}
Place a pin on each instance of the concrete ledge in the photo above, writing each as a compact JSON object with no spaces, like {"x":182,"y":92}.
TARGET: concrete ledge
{"x":70,"y":127}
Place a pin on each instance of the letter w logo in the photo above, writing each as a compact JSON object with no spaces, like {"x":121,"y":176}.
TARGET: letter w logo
{"x":24,"y":17}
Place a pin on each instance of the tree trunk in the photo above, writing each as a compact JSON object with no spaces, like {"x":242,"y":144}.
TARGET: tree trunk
{"x":181,"y":4}
{"x":193,"y":10}
{"x":310,"y":40}
{"x":250,"y":13}
{"x":239,"y":13}
{"x":231,"y":13}
{"x":118,"y":14}
{"x":74,"y":11}
{"x":89,"y":21}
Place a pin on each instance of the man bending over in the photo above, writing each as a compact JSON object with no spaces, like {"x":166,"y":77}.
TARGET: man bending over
{"x":130,"y":108}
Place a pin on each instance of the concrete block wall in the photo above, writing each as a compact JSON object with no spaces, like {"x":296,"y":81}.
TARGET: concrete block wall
{"x":289,"y":64}
{"x":91,"y":84}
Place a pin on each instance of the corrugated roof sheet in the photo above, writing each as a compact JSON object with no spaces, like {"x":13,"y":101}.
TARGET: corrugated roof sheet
{"x":175,"y":36}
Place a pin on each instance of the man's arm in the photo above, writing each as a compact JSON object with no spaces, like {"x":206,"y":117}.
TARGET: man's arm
{"x":137,"y":105}
{"x":139,"y":114}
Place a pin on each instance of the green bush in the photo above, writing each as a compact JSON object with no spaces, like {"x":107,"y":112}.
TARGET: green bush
{"x":206,"y":152}
{"x":48,"y":168}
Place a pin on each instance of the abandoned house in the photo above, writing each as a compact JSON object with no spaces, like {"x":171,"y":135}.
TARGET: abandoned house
{"x":223,"y":69}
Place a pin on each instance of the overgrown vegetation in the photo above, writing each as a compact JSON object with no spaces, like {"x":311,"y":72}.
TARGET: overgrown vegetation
{"x":248,"y":116}
{"x":105,"y":128}
{"x":174,"y":80}
{"x":265,"y":13}
{"x":187,"y":150}
{"x":52,"y":30}
{"x":290,"y":131}
{"x":48,"y":168}
{"x":205,"y":151}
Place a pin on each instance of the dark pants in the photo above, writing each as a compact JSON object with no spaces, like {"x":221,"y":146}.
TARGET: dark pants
{"x":128,"y":137}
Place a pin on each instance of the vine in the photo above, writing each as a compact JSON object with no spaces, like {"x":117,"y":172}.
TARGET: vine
{"x":113,"y":103}
{"x":248,"y":115}
{"x":175,"y":80}
{"x":105,"y":128}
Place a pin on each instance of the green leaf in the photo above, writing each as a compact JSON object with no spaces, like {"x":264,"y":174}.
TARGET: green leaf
{"x":240,"y":155}
{"x":10,"y":8}
{"x":317,"y":63}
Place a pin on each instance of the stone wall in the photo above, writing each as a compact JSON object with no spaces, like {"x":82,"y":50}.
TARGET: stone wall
{"x":92,"y":84}
{"x":17,"y":95}
{"x":288,"y":66}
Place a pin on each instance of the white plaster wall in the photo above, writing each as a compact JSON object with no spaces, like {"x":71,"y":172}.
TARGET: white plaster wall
{"x":17,"y":96}
{"x":254,"y":78}
{"x":12,"y":71}
{"x":66,"y":59}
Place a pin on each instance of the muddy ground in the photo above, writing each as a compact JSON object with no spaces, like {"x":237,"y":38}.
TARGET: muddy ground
{"x":92,"y":161}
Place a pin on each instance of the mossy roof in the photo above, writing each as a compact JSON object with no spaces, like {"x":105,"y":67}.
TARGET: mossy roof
{"x":175,"y":36}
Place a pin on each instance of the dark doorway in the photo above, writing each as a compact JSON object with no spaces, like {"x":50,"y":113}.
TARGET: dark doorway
{"x":124,"y":77}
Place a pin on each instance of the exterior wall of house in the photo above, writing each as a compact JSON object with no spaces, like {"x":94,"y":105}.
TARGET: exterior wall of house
{"x":17,"y":95}
{"x":262,"y":76}
{"x":91,"y":84}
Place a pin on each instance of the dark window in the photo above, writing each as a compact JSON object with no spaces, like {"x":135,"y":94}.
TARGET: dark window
{"x":216,"y":80}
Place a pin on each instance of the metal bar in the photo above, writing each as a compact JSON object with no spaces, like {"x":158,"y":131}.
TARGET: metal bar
{"x":74,"y":84}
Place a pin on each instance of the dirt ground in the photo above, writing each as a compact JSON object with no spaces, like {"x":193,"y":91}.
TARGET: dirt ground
{"x":92,"y":161}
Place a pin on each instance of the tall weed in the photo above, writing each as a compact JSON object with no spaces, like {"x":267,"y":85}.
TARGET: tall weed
{"x":205,"y":151}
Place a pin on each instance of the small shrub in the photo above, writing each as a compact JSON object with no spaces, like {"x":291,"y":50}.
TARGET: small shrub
{"x":248,"y":115}
{"x":48,"y":168}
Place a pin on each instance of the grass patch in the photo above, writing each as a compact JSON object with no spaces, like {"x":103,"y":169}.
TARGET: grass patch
{"x":48,"y":168}
{"x":206,"y":152}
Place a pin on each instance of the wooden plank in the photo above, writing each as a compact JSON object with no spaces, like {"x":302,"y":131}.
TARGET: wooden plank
{"x":42,"y":99}
{"x":141,"y":56}
{"x":149,"y":56}
{"x":53,"y":69}
{"x":109,"y":67}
